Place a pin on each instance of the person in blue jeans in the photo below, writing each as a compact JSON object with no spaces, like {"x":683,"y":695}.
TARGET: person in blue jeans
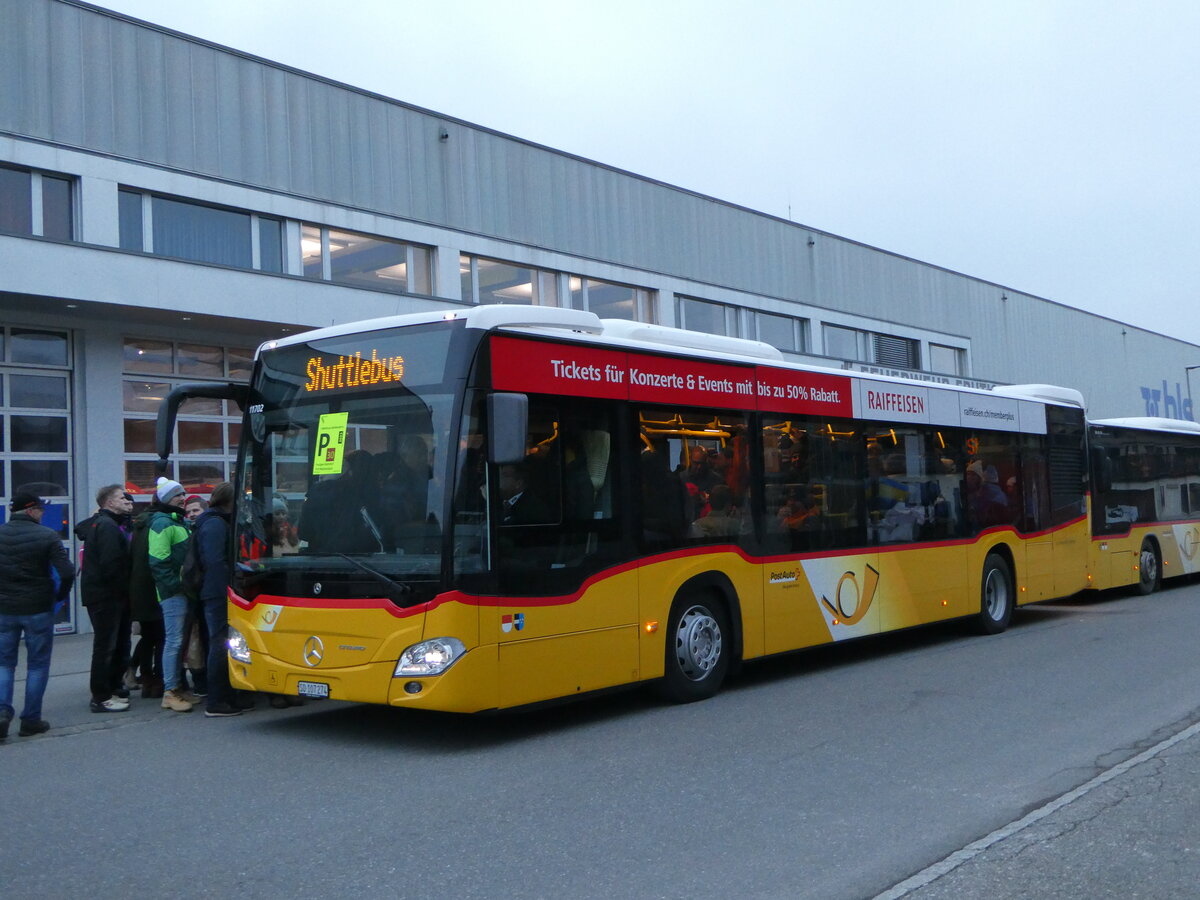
{"x":168,"y":535}
{"x":29,"y":554}
{"x":211,"y":533}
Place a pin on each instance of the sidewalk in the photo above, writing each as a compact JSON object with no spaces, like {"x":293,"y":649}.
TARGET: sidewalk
{"x":66,"y":704}
{"x":1132,"y":831}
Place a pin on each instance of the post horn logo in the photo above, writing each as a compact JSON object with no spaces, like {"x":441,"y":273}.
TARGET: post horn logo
{"x":1191,"y":543}
{"x":859,"y":604}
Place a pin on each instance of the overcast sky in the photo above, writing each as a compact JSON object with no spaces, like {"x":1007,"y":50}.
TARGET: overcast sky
{"x":1051,"y":146}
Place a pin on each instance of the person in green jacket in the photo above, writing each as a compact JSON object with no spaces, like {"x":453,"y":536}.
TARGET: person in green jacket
{"x":167,"y":546}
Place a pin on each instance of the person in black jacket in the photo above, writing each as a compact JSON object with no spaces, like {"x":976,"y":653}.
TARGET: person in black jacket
{"x":29,"y":552}
{"x":211,"y":534}
{"x":104,"y":580}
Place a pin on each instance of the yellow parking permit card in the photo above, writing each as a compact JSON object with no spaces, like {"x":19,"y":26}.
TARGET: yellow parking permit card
{"x":331,"y":441}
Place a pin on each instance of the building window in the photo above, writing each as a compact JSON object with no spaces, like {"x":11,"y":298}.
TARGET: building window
{"x":35,"y":415}
{"x":270,"y":244}
{"x":16,"y":204}
{"x":36,"y":204}
{"x":903,"y":353}
{"x":35,"y":346}
{"x":183,"y":229}
{"x":206,"y":432}
{"x":783,"y":332}
{"x":610,"y":300}
{"x":129,"y":215}
{"x":706,"y":316}
{"x":200,"y":233}
{"x":365,"y":260}
{"x":872,"y":347}
{"x":947,"y":360}
{"x":496,"y":281}
{"x":846,"y":343}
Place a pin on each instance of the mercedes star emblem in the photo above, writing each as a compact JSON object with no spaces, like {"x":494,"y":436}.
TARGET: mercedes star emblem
{"x":314,"y":651}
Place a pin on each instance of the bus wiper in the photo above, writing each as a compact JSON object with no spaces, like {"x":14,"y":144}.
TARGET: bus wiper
{"x":372,"y":527}
{"x":396,"y":589}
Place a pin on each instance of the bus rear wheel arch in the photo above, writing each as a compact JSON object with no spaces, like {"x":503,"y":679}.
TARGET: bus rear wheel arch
{"x":699,"y":647}
{"x":1149,"y":567}
{"x":997,"y":597}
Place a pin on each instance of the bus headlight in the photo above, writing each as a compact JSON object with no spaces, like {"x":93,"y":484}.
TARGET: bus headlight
{"x":432,"y":657}
{"x":238,"y":648}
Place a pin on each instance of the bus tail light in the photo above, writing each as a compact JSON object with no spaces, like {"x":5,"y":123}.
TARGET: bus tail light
{"x":432,"y":657}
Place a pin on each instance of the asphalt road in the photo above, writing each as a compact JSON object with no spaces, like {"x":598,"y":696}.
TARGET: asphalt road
{"x":1054,"y":760}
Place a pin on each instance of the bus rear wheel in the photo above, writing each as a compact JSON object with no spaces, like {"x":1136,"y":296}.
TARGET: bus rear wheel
{"x":996,"y":597}
{"x":1149,"y":568}
{"x":698,"y":649}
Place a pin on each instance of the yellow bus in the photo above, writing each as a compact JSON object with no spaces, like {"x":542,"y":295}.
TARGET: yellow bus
{"x":499,"y":506}
{"x":1145,"y":501}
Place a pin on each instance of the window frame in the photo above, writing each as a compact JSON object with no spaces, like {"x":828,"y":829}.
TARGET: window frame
{"x":228,"y":419}
{"x":412,"y":250}
{"x":37,"y":202}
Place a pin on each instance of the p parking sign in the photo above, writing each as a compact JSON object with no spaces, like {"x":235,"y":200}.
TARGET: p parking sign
{"x":331,"y":441}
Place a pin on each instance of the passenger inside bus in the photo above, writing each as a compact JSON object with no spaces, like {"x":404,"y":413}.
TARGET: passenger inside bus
{"x":342,"y":515}
{"x":665,"y":503}
{"x":987,"y":504}
{"x":723,"y":520}
{"x":521,"y":505}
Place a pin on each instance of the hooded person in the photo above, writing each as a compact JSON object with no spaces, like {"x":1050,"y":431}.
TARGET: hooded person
{"x":166,"y":547}
{"x":986,"y":501}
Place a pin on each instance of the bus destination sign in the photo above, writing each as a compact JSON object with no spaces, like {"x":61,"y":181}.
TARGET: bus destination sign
{"x":329,"y":373}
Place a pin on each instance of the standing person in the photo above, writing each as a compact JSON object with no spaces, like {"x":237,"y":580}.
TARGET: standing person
{"x":168,"y":535}
{"x":211,"y":535}
{"x":104,"y":581}
{"x":193,"y":508}
{"x":29,"y":551}
{"x":146,"y":611}
{"x":195,"y":631}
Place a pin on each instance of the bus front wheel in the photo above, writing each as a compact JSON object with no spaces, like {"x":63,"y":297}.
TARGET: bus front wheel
{"x":996,"y":598}
{"x":698,"y":649}
{"x":1149,"y":568}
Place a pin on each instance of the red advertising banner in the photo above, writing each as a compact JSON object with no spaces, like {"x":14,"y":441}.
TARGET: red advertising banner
{"x":575,"y":370}
{"x":578,"y":370}
{"x":805,"y":393}
{"x":662,"y":379}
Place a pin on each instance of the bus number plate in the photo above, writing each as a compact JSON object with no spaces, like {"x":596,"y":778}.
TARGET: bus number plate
{"x":312,"y":689}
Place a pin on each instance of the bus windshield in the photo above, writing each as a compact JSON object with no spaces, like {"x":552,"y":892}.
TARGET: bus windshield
{"x":344,"y":468}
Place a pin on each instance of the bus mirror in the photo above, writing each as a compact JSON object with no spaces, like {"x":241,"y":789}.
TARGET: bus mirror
{"x":508,"y":421}
{"x":165,"y":425}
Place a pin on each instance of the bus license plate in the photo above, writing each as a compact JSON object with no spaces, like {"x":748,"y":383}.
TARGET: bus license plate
{"x":312,"y":689}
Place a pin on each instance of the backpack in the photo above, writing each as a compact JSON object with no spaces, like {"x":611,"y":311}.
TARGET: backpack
{"x":191,"y":573}
{"x":143,"y":597}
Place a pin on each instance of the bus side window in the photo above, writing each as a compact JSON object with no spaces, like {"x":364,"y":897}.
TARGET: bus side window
{"x":814,"y":484}
{"x":694,"y":477}
{"x":556,"y":509}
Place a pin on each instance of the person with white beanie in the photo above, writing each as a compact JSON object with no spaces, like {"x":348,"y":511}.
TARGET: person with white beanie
{"x":167,"y":547}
